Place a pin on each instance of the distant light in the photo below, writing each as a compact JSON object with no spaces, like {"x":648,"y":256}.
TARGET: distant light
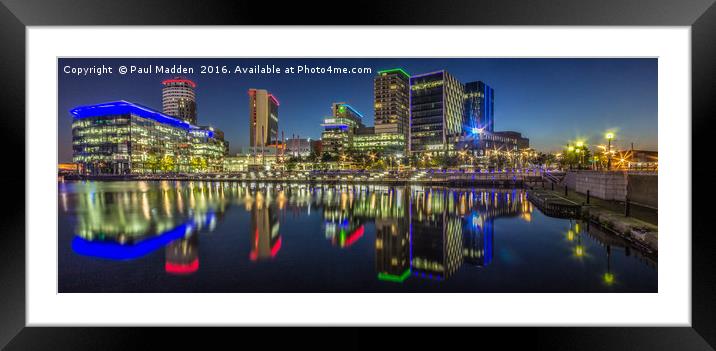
{"x":608,"y":278}
{"x":610,"y":136}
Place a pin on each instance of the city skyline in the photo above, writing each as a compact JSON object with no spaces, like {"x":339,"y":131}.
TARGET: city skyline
{"x":551,"y":101}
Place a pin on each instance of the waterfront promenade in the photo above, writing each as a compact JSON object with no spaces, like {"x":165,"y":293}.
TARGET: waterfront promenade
{"x":501,"y":179}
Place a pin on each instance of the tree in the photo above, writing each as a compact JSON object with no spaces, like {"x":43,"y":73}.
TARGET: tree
{"x":292,"y":162}
{"x":447,"y":161}
{"x":327,"y":157}
{"x":167,"y":163}
{"x":152,"y":162}
{"x":576,"y":157}
{"x":545,"y":160}
{"x":312,"y":157}
{"x":497,"y":159}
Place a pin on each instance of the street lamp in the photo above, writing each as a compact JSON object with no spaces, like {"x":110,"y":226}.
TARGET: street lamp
{"x":609,"y":137}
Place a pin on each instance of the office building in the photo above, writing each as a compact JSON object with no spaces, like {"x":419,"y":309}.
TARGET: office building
{"x":437,"y":106}
{"x":482,"y":143}
{"x":383,"y":144}
{"x":263,"y":118}
{"x":179,"y":99}
{"x":298,"y":147}
{"x":514,"y":138}
{"x":479,"y":107}
{"x":391,"y":94}
{"x":120,"y":137}
{"x":338,"y":130}
{"x":317,"y":146}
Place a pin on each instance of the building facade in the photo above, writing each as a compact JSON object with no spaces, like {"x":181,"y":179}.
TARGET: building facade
{"x":263,"y":118}
{"x":385,"y":143}
{"x":436,"y":107}
{"x":479,"y":107}
{"x":298,"y":147}
{"x":483,"y":142}
{"x":120,"y":137}
{"x":339,"y":129}
{"x":391,"y":94}
{"x":179,"y":99}
{"x":515,"y":138}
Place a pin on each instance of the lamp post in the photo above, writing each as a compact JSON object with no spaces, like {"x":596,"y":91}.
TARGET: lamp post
{"x":609,"y":137}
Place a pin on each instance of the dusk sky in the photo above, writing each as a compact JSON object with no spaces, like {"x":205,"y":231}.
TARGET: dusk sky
{"x":550,"y":101}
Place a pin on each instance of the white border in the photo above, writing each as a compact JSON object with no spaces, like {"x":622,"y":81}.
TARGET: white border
{"x":671,"y":306}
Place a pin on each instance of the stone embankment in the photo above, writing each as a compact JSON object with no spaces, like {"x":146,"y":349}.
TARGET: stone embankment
{"x":642,"y":234}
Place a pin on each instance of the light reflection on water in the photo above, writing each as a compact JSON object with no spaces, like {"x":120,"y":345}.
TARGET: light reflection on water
{"x":146,"y":236}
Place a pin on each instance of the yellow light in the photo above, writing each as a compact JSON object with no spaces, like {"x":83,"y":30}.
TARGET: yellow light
{"x":579,"y":251}
{"x":580,"y":143}
{"x":570,"y":235}
{"x":610,"y":135}
{"x":608,"y":278}
{"x":570,"y":148}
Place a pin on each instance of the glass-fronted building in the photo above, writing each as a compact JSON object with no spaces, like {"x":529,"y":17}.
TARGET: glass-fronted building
{"x":479,"y":107}
{"x":338,"y":130}
{"x":385,"y":143}
{"x":121,"y":138}
{"x":436,"y":106}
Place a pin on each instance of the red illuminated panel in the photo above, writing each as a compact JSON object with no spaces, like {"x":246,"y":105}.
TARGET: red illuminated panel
{"x":275,"y":100}
{"x":357,"y":234}
{"x":192,"y":84}
{"x":176,"y":268}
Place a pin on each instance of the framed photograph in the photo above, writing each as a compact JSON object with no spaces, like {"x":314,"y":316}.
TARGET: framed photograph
{"x":493,"y":166}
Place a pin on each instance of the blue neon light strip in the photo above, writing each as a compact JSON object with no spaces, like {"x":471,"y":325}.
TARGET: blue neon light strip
{"x":122,"y":107}
{"x":116,"y":251}
{"x":353,"y":109}
{"x":335,"y":126}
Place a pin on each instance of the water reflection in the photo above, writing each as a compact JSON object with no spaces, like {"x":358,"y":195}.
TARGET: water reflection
{"x":420,"y":233}
{"x":265,"y":237}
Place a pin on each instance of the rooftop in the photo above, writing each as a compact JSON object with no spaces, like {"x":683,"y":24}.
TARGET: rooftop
{"x":122,"y":107}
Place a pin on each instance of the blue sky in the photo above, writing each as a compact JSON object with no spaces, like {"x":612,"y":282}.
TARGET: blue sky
{"x":551,"y":101}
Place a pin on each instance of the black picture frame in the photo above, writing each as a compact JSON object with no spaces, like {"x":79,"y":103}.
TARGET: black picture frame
{"x":16,"y":15}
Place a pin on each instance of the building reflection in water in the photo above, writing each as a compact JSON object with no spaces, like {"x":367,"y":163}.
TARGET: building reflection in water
{"x":265,"y":237}
{"x":182,"y":255}
{"x":342,"y":219}
{"x":427,"y":233}
{"x":129,"y":220}
{"x":478,"y":239}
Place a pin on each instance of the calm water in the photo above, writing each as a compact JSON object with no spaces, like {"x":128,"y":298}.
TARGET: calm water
{"x":232,"y":237}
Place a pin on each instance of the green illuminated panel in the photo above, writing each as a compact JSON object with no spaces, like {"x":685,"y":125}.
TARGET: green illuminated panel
{"x":394,"y":278}
{"x":392,"y":70}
